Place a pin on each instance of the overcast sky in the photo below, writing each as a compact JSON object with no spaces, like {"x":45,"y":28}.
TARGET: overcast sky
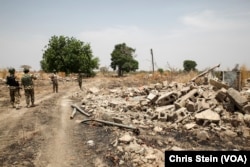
{"x":206,"y":31}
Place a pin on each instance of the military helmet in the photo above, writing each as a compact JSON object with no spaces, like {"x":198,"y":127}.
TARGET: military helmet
{"x":26,"y":70}
{"x":12,"y":70}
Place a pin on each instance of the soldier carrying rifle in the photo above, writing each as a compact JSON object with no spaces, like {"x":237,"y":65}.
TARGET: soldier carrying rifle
{"x":14,"y":88}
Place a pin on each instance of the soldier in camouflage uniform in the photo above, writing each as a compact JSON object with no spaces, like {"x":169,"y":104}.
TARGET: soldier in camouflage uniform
{"x":14,"y":88}
{"x":27,"y":83}
{"x":54,"y":79}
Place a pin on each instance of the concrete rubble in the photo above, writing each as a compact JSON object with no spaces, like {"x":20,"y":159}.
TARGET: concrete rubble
{"x":202,"y":112}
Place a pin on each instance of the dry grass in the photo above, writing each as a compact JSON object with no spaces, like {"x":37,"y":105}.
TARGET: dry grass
{"x":140,"y":78}
{"x":245,"y":74}
{"x":3,"y":73}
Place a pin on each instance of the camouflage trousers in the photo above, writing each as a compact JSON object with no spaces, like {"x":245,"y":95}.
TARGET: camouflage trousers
{"x":29,"y":96}
{"x":14,"y":96}
{"x":55,"y":87}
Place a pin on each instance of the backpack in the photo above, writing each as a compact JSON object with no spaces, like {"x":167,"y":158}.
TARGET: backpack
{"x":27,"y":80}
{"x":11,"y":81}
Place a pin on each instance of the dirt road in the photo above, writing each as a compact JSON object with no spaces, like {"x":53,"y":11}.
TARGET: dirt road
{"x":45,"y":136}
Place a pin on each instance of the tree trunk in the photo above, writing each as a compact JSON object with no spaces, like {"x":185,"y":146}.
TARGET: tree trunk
{"x":120,"y":72}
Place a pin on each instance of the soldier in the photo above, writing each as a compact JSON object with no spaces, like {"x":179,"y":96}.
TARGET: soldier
{"x":14,"y":88}
{"x":79,"y":79}
{"x":54,"y":79}
{"x":27,"y":83}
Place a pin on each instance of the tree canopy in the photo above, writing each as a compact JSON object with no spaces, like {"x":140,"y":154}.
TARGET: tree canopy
{"x":25,"y":66}
{"x":123,"y":60}
{"x":189,"y":65}
{"x":68,"y":55}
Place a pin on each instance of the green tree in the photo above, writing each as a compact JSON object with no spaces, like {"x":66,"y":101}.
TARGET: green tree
{"x":68,"y":55}
{"x":123,"y":60}
{"x":161,"y":71}
{"x":25,"y":66}
{"x":189,"y":65}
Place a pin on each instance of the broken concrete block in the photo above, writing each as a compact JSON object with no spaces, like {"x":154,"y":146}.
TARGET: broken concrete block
{"x":181,"y":101}
{"x":158,"y":129}
{"x":164,"y":108}
{"x":237,"y":119}
{"x":236,"y":98}
{"x":230,"y":133}
{"x":191,"y":106}
{"x":190,"y":125}
{"x":144,"y":102}
{"x":208,"y":115}
{"x":221,"y":95}
{"x":218,"y":84}
{"x":162,"y":116}
{"x":247,"y":119}
{"x":172,"y":117}
{"x":167,"y":98}
{"x":185,"y":90}
{"x":126,"y":138}
{"x":246,"y":109}
{"x":181,"y":112}
{"x":152,"y":97}
{"x":202,"y":104}
{"x":158,"y":86}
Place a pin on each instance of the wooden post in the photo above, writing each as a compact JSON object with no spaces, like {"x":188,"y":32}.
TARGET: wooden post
{"x":152,"y":60}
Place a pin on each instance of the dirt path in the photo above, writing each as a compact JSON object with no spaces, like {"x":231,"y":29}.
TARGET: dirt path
{"x":56,"y":149}
{"x":45,"y":136}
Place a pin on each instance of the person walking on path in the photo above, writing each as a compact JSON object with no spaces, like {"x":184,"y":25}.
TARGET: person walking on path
{"x":79,"y":79}
{"x":54,"y":79}
{"x":14,"y":88}
{"x":27,"y":83}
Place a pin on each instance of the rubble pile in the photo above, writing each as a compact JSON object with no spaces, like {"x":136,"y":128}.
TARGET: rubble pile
{"x":202,"y":112}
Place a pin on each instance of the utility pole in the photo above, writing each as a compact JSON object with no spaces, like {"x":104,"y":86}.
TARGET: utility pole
{"x":152,"y":60}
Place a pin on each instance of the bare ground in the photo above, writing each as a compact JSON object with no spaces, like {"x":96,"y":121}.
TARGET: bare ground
{"x":45,"y":136}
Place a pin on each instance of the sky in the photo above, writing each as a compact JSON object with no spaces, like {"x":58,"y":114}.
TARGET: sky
{"x":208,"y":32}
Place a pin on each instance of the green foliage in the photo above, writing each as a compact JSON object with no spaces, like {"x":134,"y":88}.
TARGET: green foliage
{"x":25,"y":66}
{"x":189,"y":65}
{"x":160,"y":70}
{"x":68,"y":55}
{"x":122,"y":59}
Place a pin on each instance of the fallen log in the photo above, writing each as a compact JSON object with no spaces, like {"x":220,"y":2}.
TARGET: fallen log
{"x":135,"y":130}
{"x":73,"y":113}
{"x":80,"y":110}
